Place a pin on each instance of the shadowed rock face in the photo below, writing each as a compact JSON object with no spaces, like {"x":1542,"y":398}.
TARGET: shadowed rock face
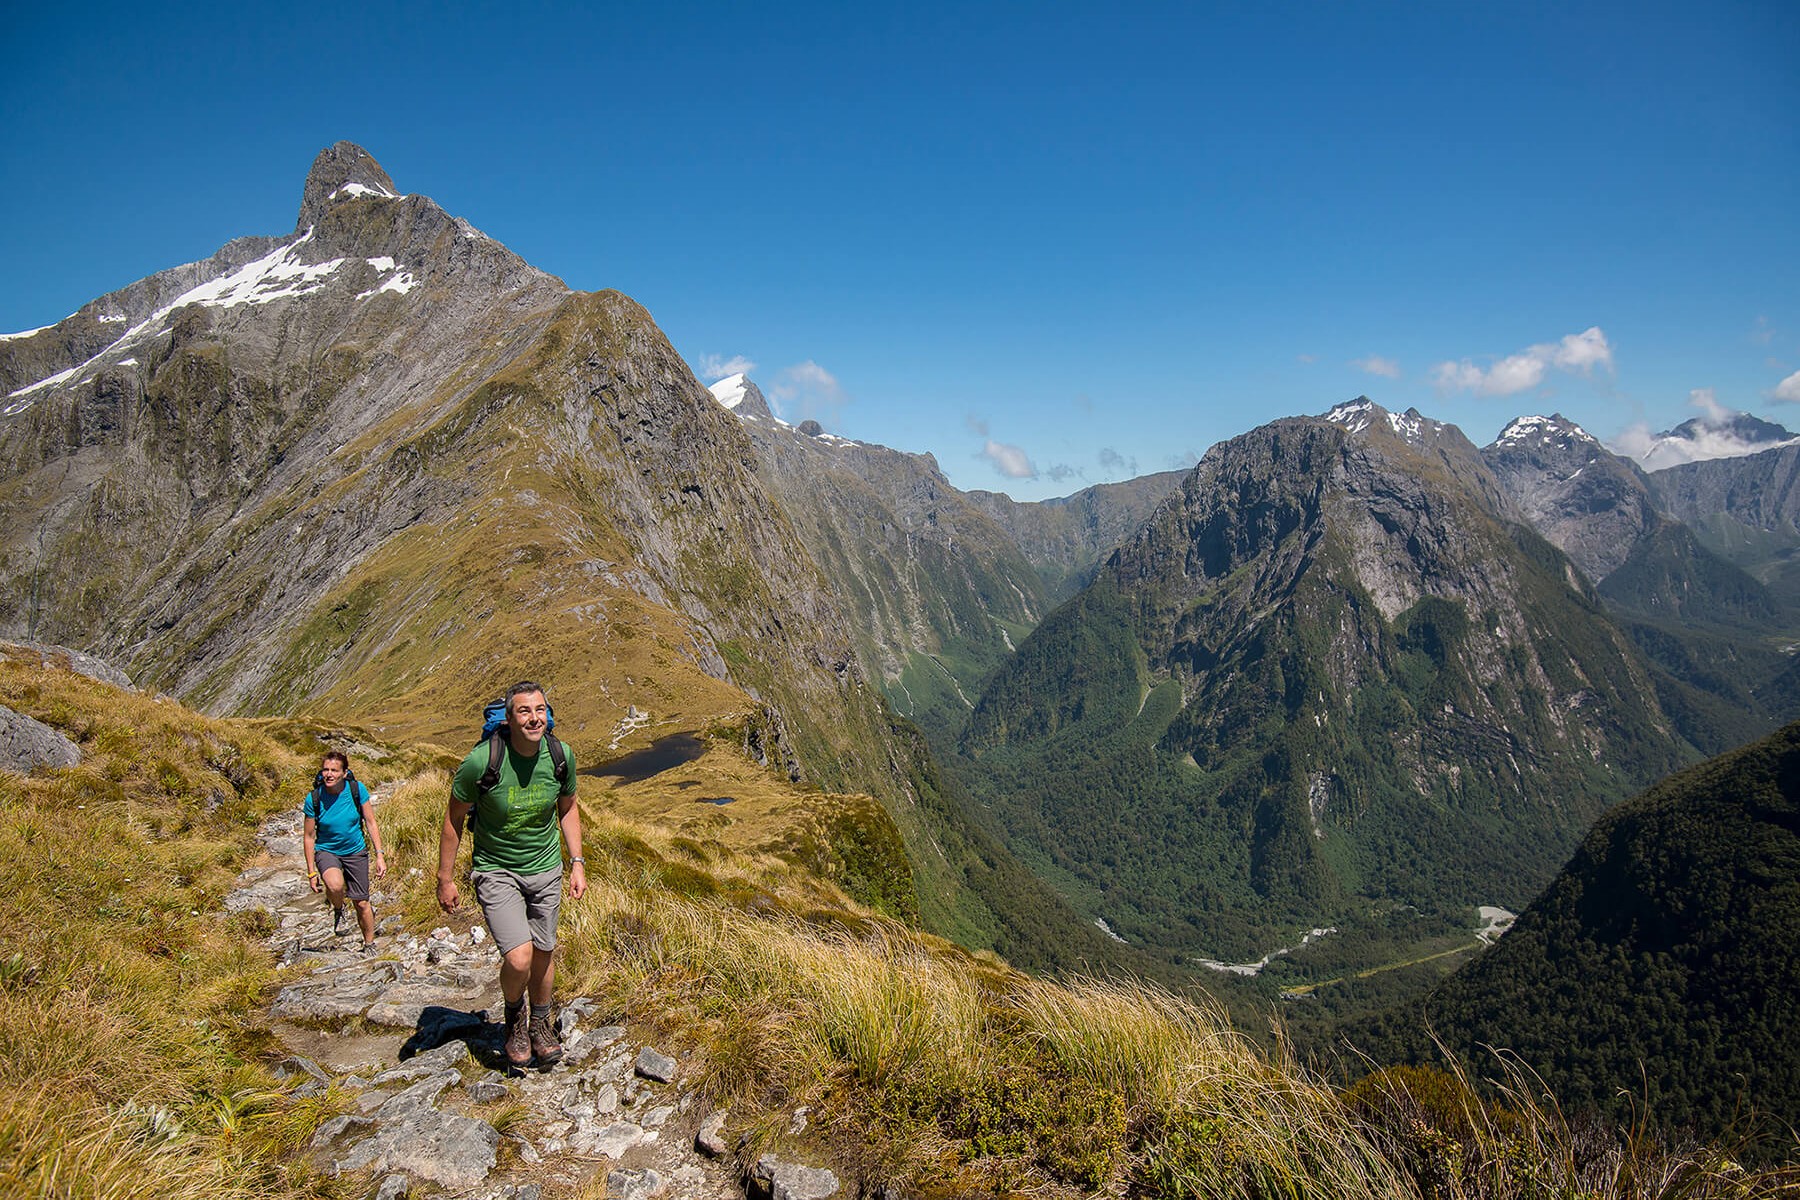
{"x":1757,"y":492}
{"x":1585,"y":500}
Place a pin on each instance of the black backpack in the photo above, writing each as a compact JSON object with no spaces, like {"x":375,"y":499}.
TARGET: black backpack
{"x":350,"y":781}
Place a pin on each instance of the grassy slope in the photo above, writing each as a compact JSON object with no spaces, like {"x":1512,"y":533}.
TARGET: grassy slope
{"x":130,"y":1028}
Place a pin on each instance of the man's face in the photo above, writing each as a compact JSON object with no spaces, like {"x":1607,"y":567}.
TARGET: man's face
{"x":530,"y":716}
{"x":333,"y":773}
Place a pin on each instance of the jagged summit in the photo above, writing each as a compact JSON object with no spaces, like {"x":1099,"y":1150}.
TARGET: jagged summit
{"x":340,"y":171}
{"x":742,"y":397}
{"x":1362,"y":414}
{"x":1539,"y":432}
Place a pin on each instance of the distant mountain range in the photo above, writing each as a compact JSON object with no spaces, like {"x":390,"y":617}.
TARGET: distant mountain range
{"x":1348,"y":673}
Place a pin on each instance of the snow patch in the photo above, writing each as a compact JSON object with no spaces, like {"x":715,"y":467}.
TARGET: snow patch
{"x":731,"y":390}
{"x":1543,"y":431}
{"x":1354,"y":416}
{"x":361,"y":189}
{"x":1408,"y":426}
{"x":24,"y":333}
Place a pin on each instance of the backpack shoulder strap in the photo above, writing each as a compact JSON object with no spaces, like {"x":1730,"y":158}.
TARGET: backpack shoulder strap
{"x":559,"y":759}
{"x":496,"y":756}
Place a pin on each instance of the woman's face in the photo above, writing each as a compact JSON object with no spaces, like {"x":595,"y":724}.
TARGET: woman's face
{"x":333,"y":772}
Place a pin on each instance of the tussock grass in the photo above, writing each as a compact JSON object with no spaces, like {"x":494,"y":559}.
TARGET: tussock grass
{"x":130,"y":1010}
{"x":947,"y":1073}
{"x":130,"y":1036}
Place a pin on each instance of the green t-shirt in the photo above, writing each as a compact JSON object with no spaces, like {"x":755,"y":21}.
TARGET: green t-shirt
{"x":515,"y":824}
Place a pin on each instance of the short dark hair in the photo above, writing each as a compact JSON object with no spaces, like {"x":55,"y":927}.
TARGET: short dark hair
{"x":521,"y":688}
{"x":337,"y":754}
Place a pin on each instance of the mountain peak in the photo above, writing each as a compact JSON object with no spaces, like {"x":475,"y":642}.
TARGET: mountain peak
{"x":1541,"y":432}
{"x":1362,"y":414}
{"x":741,"y":396}
{"x":341,"y":170}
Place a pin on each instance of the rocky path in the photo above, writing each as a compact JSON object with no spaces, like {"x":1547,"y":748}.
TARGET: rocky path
{"x":413,"y":1033}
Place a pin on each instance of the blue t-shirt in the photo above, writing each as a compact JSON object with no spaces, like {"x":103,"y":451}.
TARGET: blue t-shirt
{"x":339,"y":820}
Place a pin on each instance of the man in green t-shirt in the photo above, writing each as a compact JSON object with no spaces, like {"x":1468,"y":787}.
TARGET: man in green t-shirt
{"x":518,"y":864}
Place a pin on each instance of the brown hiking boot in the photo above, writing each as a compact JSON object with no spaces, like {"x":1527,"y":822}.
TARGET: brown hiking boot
{"x":543,"y":1037}
{"x":518,"y":1036}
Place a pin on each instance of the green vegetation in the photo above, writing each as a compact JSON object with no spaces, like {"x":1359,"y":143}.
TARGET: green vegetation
{"x":131,"y":1043}
{"x":1218,"y":755}
{"x":1657,"y":970}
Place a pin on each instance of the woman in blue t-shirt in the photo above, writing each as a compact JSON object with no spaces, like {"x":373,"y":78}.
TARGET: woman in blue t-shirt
{"x":337,"y":850}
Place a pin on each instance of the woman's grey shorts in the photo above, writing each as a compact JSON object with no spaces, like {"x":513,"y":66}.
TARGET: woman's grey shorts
{"x":354,"y":866}
{"x":520,"y":908}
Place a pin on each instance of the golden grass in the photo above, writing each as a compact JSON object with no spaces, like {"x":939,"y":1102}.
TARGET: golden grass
{"x":131,"y":1010}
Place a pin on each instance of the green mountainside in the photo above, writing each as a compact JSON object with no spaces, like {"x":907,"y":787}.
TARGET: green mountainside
{"x":1658,"y":967}
{"x":1332,"y":683}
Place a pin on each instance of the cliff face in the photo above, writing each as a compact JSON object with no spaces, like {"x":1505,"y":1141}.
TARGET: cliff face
{"x":1747,"y":508}
{"x":382,"y":467}
{"x":1334,"y":666}
{"x":1586,"y":501}
{"x":937,"y":592}
{"x":1067,"y":539}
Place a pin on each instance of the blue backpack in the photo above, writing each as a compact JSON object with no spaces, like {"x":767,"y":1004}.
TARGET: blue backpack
{"x":493,"y":732}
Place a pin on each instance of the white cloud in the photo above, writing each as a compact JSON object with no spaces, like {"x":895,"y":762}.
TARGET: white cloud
{"x":1307,"y":358}
{"x":1708,"y":403}
{"x":1374,"y":364}
{"x":1115,"y":463}
{"x":1634,"y":442}
{"x":715,"y":368}
{"x":1713,"y":438}
{"x":1788,"y":389}
{"x":1010,"y":461}
{"x":807,"y":390}
{"x":1576,"y":352}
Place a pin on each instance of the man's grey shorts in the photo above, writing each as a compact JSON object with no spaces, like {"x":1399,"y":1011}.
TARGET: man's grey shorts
{"x":520,"y":908}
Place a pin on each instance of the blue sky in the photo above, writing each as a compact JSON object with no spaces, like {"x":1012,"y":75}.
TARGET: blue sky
{"x":1088,"y":240}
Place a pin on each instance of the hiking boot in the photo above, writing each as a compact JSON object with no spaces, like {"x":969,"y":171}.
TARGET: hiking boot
{"x":369,"y":948}
{"x":337,"y":921}
{"x":518,"y":1034}
{"x":543,"y":1036}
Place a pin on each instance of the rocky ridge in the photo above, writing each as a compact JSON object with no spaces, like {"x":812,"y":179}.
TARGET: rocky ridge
{"x":412,"y":1034}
